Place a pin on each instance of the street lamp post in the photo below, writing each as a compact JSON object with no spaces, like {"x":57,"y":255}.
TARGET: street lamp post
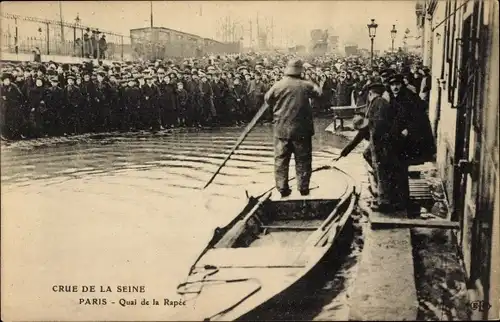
{"x":77,"y":21}
{"x":372,"y":29}
{"x":77,"y":24}
{"x":393,"y":35}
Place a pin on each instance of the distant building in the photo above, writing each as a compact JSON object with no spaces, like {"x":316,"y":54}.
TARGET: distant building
{"x":160,"y":43}
{"x":319,"y":41}
{"x":351,"y":50}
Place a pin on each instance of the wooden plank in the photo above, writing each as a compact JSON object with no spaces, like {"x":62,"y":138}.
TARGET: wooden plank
{"x":411,"y":223}
{"x":400,"y":220}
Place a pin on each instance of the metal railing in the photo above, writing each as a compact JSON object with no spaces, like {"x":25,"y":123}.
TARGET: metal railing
{"x":21,"y":34}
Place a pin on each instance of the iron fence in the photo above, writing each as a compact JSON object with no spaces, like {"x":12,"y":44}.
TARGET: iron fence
{"x":21,"y":34}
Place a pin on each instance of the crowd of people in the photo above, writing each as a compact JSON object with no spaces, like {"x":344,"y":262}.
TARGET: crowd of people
{"x":93,"y":45}
{"x":51,"y":99}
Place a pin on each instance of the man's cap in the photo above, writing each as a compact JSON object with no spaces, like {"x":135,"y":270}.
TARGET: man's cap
{"x":6,"y":75}
{"x":387,"y":73}
{"x":376,"y":86}
{"x":398,"y":78}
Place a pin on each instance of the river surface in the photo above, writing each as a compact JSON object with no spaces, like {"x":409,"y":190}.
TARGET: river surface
{"x":128,"y":209}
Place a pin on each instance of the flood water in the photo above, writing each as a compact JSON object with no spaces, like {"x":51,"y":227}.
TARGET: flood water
{"x":128,"y":209}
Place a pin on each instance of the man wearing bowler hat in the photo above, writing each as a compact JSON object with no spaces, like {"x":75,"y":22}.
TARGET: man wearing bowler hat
{"x":293,"y":126}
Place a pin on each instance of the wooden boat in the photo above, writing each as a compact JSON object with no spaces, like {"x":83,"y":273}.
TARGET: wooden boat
{"x":269,"y":251}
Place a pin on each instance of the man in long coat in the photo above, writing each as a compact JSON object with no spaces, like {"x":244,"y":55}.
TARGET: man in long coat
{"x":412,"y":133}
{"x":385,"y":150}
{"x":10,"y":108}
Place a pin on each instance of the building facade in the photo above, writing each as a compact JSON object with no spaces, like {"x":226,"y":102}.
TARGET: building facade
{"x":161,"y":43}
{"x":460,"y":45}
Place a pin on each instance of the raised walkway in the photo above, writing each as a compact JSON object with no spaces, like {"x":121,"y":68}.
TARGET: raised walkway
{"x":384,"y":288}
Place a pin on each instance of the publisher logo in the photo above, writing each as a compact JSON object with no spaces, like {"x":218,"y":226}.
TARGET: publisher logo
{"x":480,"y":306}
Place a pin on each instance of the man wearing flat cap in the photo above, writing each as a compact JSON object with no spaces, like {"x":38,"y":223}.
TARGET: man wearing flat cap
{"x":102,"y":102}
{"x":208,"y":112}
{"x":256,"y":92}
{"x":55,"y":112}
{"x":293,"y":126}
{"x":73,"y":97}
{"x":220,"y":91}
{"x":167,"y":101}
{"x":385,"y":150}
{"x":149,"y":113}
{"x":88,"y":90}
{"x":10,"y":107}
{"x":193,"y":111}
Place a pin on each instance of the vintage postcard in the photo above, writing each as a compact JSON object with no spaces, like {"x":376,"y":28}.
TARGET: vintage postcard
{"x":249,"y":160}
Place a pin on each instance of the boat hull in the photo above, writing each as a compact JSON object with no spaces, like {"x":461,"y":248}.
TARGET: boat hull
{"x":274,"y":250}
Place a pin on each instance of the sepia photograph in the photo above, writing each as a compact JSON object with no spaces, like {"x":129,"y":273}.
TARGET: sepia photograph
{"x":249,"y":160}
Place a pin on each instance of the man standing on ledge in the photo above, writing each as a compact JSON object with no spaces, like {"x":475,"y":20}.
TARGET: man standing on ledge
{"x":293,"y":126}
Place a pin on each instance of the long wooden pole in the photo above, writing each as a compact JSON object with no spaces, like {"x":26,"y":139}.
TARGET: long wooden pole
{"x":242,"y":137}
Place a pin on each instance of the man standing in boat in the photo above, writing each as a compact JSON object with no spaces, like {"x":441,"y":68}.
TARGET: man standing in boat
{"x":293,"y":126}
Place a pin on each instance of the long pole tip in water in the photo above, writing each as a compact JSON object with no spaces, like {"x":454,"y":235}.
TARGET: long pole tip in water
{"x":240,"y":140}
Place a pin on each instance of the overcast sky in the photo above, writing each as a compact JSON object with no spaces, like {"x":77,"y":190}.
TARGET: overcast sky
{"x":292,"y":20}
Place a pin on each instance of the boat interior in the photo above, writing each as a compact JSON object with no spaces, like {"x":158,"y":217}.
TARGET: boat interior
{"x":280,"y":223}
